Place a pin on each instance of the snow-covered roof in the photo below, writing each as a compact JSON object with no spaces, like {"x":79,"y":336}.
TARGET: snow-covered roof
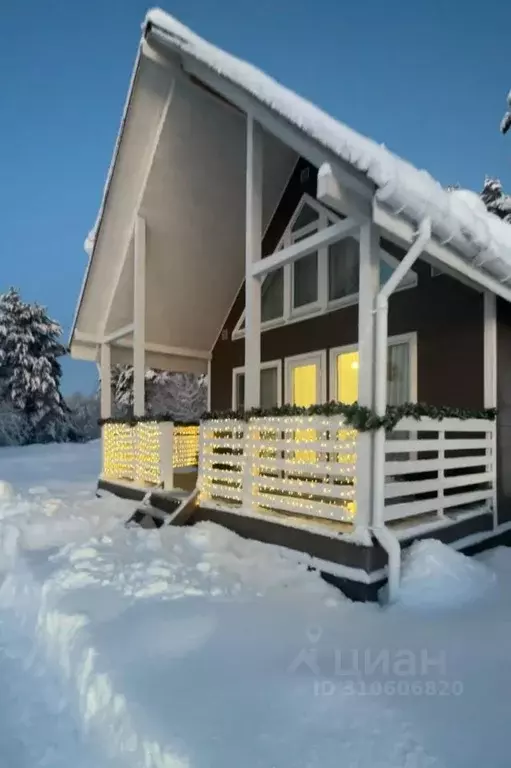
{"x":456,"y":218}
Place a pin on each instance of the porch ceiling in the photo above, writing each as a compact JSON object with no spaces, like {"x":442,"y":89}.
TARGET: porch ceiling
{"x":194,"y":206}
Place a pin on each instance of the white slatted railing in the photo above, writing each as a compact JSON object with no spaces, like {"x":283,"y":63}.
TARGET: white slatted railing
{"x":296,"y":464}
{"x":222,"y":460}
{"x":437,"y":466}
{"x":147,"y":453}
{"x":303,"y":465}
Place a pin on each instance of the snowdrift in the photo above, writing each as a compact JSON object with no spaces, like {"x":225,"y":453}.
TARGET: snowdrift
{"x":436,"y":576}
{"x":193,"y":648}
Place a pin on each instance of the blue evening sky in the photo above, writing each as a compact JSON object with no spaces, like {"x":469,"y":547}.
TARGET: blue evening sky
{"x":428,"y":79}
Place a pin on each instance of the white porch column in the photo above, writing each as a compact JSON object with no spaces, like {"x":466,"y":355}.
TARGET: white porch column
{"x":490,"y":384}
{"x":490,"y":350}
{"x":253,"y":225}
{"x":369,"y":279}
{"x":139,"y":302}
{"x":105,"y":373}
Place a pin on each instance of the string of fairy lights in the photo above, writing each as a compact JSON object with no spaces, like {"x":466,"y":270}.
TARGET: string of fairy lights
{"x":186,"y":446}
{"x":134,"y":451}
{"x":297,"y":464}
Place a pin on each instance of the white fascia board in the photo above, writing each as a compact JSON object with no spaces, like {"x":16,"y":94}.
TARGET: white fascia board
{"x":164,"y":349}
{"x":84,"y":351}
{"x":106,"y":190}
{"x":403,"y":233}
{"x":321,"y":239}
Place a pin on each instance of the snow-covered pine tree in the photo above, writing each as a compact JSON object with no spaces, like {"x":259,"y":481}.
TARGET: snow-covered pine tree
{"x":30,"y":372}
{"x":505,"y":123}
{"x":495,"y":200}
{"x":183,"y":395}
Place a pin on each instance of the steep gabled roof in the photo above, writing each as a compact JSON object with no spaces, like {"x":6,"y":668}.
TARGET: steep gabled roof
{"x":413,"y":193}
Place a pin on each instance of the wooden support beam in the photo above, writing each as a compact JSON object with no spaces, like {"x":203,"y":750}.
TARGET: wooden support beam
{"x":139,"y":311}
{"x":105,"y":369}
{"x":120,"y":333}
{"x":321,"y":239}
{"x":253,"y":239}
{"x":151,"y":154}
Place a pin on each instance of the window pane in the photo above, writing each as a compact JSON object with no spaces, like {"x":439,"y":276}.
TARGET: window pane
{"x":306,"y":216}
{"x":272,"y":301}
{"x":347,"y":377}
{"x":305,"y":289}
{"x":240,"y":390}
{"x":343,"y":268}
{"x":304,"y":385}
{"x":398,"y":374}
{"x":269,"y":389}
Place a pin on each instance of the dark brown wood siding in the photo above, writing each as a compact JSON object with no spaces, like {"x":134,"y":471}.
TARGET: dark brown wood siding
{"x":446,"y":315}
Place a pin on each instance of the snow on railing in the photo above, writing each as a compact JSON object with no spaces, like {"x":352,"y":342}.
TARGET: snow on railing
{"x":300,"y":465}
{"x":147,"y":453}
{"x":436,"y":466}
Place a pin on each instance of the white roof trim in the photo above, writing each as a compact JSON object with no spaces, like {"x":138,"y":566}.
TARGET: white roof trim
{"x":401,"y":187}
{"x":92,"y":237}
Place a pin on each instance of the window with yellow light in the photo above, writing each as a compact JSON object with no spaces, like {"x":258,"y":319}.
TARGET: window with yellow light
{"x":304,"y":392}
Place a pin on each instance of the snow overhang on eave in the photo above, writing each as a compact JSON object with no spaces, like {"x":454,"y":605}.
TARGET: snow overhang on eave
{"x":411,"y":194}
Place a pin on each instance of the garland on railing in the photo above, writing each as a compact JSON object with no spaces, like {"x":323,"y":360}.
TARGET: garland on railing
{"x":132,"y":421}
{"x":360,"y":417}
{"x":357,"y":416}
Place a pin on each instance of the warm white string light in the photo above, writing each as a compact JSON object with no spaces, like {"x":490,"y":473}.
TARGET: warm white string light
{"x":185,"y":446}
{"x":133,"y":451}
{"x":317,"y":480}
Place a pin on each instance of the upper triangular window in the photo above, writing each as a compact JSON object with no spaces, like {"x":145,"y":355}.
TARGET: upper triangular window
{"x":307,"y":215}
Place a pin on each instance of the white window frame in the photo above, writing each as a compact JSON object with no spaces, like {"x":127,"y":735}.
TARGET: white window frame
{"x":317,"y":357}
{"x":404,"y":338}
{"x":277,"y":364}
{"x":292,"y":314}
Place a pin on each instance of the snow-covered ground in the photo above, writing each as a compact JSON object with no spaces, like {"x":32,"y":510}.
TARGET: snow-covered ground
{"x":191,"y":648}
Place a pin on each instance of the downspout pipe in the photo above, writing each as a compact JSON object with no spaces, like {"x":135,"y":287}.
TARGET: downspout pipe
{"x":383,"y":534}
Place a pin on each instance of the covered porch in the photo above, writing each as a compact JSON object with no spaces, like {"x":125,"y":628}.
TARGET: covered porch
{"x":180,"y":232}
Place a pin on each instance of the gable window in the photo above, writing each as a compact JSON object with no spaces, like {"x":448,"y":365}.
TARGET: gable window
{"x":343,"y":269}
{"x":272,"y":296}
{"x":271,"y":385}
{"x":306,"y":221}
{"x":305,"y":281}
{"x":319,"y":282}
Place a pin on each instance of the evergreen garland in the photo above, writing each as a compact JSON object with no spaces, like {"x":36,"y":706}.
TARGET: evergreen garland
{"x":357,"y":416}
{"x":133,"y":420}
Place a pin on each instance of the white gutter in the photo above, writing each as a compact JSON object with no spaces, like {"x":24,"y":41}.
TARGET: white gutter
{"x":386,"y":538}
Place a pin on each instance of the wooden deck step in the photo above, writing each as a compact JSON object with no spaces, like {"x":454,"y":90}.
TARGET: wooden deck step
{"x":165,"y":508}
